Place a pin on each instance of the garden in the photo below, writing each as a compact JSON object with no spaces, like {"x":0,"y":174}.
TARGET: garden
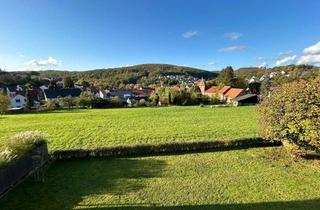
{"x":235,"y":175}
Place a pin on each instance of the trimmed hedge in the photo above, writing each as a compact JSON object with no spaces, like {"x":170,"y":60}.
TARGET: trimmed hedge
{"x":29,"y":163}
{"x":162,"y":149}
{"x":18,"y":145}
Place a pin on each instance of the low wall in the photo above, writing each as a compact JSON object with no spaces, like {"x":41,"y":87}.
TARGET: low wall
{"x":162,"y":149}
{"x":16,"y":171}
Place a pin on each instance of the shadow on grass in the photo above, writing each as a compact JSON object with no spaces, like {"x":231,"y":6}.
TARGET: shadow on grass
{"x":280,"y":205}
{"x":68,"y":182}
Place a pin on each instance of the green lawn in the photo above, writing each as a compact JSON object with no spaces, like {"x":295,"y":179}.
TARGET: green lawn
{"x":109,"y":127}
{"x":260,"y":178}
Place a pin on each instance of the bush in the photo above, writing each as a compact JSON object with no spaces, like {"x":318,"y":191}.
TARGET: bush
{"x":292,"y":114}
{"x":4,"y":103}
{"x":50,"y":105}
{"x":116,"y":101}
{"x":142,"y":102}
{"x":85,"y":99}
{"x":100,"y":103}
{"x":19,"y":144}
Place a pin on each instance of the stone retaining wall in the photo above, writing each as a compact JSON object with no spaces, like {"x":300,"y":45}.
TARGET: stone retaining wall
{"x":16,"y":171}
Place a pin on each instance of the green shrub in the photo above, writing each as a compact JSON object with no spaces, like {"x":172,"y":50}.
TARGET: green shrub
{"x":142,"y":102}
{"x":101,"y":103}
{"x":50,"y":105}
{"x":18,"y":145}
{"x":4,"y":103}
{"x":292,"y":113}
{"x":85,"y":99}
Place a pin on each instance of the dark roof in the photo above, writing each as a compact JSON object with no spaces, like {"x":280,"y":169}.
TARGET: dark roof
{"x":63,"y":92}
{"x":3,"y":87}
{"x":240,"y":98}
{"x":143,"y":92}
{"x":12,"y":88}
{"x":120,"y":93}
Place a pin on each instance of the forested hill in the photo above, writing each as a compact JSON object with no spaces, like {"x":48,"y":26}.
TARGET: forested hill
{"x":146,"y":74}
{"x":295,"y":71}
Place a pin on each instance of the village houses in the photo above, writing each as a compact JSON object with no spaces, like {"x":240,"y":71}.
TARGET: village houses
{"x":227,"y":94}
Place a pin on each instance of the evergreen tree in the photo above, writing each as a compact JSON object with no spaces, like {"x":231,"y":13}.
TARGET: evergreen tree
{"x":226,"y":76}
{"x":68,"y":82}
{"x":29,"y":99}
{"x":4,"y":103}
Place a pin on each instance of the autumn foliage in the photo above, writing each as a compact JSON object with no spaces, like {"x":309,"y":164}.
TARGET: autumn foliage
{"x":292,"y":113}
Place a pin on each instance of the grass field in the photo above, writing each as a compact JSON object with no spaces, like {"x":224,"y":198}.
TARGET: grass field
{"x":109,"y":127}
{"x":260,"y":178}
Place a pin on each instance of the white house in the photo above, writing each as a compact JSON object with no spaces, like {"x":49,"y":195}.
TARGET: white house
{"x":43,"y":87}
{"x":103,"y":93}
{"x":253,"y":79}
{"x":263,"y":78}
{"x":18,"y":101}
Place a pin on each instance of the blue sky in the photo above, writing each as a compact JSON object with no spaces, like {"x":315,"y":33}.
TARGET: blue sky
{"x":207,"y":34}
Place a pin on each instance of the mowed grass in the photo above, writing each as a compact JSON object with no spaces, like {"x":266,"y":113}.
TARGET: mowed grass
{"x":95,"y":128}
{"x":260,"y":178}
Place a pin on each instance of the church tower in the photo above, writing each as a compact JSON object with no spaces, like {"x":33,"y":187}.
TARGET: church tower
{"x":202,"y":86}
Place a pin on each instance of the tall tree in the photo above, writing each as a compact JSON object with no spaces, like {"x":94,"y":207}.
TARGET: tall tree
{"x":4,"y":103}
{"x":68,"y":82}
{"x":29,"y":99}
{"x":226,"y":75}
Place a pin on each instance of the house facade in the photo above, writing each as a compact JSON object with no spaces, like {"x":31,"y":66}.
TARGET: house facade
{"x":247,"y":99}
{"x":18,"y":101}
{"x":226,"y":93}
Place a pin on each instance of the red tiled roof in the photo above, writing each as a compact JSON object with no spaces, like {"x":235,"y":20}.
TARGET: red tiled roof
{"x":212,"y":89}
{"x":234,"y":92}
{"x":224,"y":89}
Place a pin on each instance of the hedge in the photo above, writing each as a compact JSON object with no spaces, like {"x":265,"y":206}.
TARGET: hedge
{"x":29,"y":163}
{"x":162,"y":149}
{"x":18,"y":145}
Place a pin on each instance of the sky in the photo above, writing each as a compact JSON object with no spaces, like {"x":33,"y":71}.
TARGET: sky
{"x":207,"y":34}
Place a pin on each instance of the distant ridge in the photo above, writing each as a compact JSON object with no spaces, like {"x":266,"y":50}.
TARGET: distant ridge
{"x":145,"y":74}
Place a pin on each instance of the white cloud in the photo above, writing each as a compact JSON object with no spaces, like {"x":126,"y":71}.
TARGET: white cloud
{"x":49,"y":62}
{"x":185,"y":65}
{"x":233,"y":35}
{"x":212,"y":63}
{"x":285,"y":54}
{"x":311,"y":55}
{"x":263,"y":65}
{"x":42,"y":64}
{"x":260,"y":58}
{"x":314,"y":49}
{"x":233,"y":48}
{"x":22,"y":56}
{"x":309,"y":59}
{"x":285,"y":59}
{"x":190,"y":34}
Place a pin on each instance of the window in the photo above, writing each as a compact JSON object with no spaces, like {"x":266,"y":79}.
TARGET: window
{"x":18,"y":101}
